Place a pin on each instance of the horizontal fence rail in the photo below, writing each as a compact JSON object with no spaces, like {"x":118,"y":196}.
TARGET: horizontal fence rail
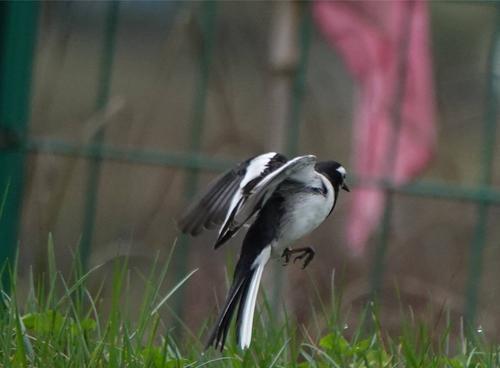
{"x":198,"y":161}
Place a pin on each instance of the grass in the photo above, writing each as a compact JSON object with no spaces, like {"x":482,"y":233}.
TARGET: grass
{"x":61,"y":323}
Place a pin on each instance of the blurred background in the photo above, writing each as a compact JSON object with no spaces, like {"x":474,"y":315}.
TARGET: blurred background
{"x":135,"y":106}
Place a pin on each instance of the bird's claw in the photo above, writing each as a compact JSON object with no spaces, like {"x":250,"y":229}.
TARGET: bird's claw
{"x":304,"y":253}
{"x":307,"y":256}
{"x":287,"y":252}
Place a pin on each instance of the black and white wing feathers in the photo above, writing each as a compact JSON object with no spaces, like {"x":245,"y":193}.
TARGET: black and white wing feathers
{"x":237,"y":195}
{"x":210,"y":210}
{"x":248,"y":201}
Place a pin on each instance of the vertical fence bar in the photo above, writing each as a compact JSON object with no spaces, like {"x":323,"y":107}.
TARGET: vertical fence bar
{"x":489,"y":132}
{"x":196,"y":134}
{"x":94,"y":169}
{"x":378,"y":267}
{"x":18,"y":22}
{"x":299,"y":82}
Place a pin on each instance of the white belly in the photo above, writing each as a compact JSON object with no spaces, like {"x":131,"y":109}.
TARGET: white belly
{"x":308,"y":211}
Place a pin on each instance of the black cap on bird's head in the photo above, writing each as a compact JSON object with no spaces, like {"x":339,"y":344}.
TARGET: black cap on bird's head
{"x":335,"y":172}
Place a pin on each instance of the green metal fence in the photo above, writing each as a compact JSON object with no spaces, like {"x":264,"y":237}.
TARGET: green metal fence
{"x":19,"y":22}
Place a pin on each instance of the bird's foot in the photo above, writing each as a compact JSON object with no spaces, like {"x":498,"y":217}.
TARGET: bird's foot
{"x":306,"y":253}
{"x":287,"y":252}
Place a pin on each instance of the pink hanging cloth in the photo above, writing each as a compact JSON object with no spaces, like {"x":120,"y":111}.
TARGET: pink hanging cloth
{"x":385,"y":46}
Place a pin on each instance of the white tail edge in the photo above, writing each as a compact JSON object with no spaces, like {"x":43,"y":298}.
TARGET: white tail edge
{"x":245,"y":332}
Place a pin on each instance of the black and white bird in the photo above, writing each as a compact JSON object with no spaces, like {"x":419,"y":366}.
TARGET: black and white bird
{"x":283,"y":200}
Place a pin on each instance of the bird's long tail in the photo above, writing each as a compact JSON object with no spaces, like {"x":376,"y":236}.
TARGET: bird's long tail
{"x":243,"y":294}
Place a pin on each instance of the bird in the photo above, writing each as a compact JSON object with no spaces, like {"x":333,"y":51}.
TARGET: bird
{"x":280,"y":201}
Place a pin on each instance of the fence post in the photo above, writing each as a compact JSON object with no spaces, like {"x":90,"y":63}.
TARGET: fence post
{"x":18,"y":22}
{"x":379,"y":260}
{"x":94,"y":170}
{"x":207,"y":30}
{"x":489,"y":133}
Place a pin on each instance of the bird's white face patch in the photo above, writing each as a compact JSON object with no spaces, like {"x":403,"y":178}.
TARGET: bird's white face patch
{"x":342,"y":171}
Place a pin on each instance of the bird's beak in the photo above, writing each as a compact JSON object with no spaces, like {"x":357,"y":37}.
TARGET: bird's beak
{"x":345,"y":187}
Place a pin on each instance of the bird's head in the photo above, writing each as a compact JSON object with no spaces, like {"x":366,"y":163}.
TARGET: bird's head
{"x":335,"y":172}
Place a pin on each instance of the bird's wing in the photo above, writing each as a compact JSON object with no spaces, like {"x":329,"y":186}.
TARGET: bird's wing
{"x":250,"y":199}
{"x":211,"y":208}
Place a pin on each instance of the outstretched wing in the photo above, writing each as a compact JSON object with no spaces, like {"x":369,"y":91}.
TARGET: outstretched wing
{"x":250,"y":199}
{"x":211,"y":208}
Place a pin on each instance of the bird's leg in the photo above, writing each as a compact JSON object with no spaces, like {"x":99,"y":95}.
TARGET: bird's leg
{"x":287,"y":252}
{"x":306,"y":253}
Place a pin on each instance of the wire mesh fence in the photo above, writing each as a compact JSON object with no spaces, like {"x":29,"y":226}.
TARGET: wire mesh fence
{"x":17,"y":48}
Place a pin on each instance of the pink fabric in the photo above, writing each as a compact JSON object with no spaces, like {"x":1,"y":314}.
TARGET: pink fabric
{"x":370,"y":37}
